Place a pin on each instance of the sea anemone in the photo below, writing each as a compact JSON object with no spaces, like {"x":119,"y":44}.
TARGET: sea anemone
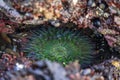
{"x":62,"y":45}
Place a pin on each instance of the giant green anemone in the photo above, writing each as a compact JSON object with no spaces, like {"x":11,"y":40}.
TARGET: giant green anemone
{"x":61,"y":45}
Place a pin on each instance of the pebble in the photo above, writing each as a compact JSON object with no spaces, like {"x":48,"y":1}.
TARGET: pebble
{"x":86,"y":71}
{"x":96,"y":22}
{"x":117,"y":20}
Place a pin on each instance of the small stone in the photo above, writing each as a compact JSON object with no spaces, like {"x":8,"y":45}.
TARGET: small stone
{"x":91,"y":3}
{"x":75,"y":2}
{"x":99,"y":11}
{"x":86,"y":71}
{"x":103,"y":5}
{"x":55,"y":23}
{"x":19,"y":66}
{"x":96,"y":22}
{"x":106,"y":15}
{"x":113,"y":10}
{"x":117,"y":20}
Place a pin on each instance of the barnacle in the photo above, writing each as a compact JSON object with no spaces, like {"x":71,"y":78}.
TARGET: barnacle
{"x":62,"y":45}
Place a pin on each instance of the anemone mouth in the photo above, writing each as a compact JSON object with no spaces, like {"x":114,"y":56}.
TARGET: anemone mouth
{"x":61,"y":45}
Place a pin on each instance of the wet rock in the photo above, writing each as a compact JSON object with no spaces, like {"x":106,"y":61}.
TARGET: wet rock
{"x":96,"y":22}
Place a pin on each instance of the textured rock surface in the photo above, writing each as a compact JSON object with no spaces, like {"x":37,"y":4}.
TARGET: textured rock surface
{"x":47,"y":70}
{"x":80,"y":12}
